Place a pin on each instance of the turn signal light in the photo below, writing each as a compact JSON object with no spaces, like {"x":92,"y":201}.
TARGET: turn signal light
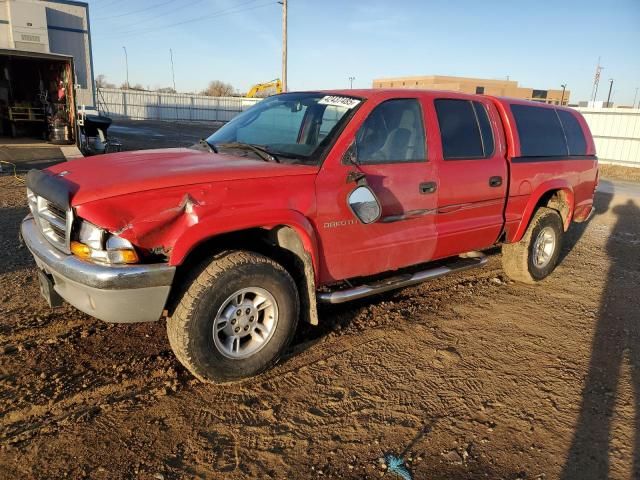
{"x":111,"y":257}
{"x":124,"y":256}
{"x":81,"y":250}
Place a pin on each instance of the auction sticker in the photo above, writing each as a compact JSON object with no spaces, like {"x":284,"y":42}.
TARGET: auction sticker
{"x":338,"y":101}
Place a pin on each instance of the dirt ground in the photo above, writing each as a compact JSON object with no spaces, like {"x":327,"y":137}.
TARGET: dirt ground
{"x":468,"y":376}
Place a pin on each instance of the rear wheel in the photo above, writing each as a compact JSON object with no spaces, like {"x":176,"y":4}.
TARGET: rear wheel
{"x":236,"y":317}
{"x":535,"y":256}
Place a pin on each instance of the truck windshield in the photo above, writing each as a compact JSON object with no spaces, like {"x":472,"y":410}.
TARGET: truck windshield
{"x":293,"y":127}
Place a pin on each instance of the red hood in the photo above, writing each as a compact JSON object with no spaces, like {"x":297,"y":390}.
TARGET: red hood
{"x":105,"y":176}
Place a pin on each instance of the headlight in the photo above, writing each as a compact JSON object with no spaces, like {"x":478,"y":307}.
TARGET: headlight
{"x":91,"y":236}
{"x":98,"y":245}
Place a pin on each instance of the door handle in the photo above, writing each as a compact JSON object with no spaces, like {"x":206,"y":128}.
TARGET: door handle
{"x":495,"y":181}
{"x":428,"y":187}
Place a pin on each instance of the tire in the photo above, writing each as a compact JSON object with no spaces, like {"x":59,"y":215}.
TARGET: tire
{"x":222,"y":296}
{"x":522,"y":261}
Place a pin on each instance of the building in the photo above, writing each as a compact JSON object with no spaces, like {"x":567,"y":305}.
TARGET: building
{"x":502,"y":88}
{"x":52,"y":27}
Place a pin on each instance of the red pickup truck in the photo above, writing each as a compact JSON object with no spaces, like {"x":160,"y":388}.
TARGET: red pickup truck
{"x":307,"y":197}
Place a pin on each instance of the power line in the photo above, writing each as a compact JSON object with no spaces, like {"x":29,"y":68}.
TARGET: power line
{"x":220,"y":13}
{"x":103,"y":5}
{"x":148,"y":18}
{"x":136,"y":11}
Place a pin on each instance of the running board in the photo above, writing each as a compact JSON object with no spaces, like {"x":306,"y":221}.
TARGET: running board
{"x":463,"y":262}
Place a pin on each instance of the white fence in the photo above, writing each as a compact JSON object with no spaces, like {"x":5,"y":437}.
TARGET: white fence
{"x":142,"y":105}
{"x":616,"y":132}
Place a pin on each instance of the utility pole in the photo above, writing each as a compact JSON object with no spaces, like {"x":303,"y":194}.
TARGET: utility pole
{"x":173,"y":73}
{"x":610,"y":87}
{"x":633,"y":105}
{"x":126,"y":64}
{"x":284,"y":44}
{"x":351,"y":79}
{"x":564,"y":87}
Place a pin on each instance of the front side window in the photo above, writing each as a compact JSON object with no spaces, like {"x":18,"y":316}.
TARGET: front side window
{"x":291,"y":126}
{"x":393,"y":132}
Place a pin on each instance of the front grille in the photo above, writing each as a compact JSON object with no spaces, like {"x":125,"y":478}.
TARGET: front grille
{"x":54,"y":222}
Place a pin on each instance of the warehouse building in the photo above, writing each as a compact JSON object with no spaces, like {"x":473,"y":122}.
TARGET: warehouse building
{"x":51,"y":27}
{"x":502,"y":88}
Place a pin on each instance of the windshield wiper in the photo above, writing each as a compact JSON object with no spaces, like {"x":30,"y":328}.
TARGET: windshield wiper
{"x":261,"y":152}
{"x":209,"y":146}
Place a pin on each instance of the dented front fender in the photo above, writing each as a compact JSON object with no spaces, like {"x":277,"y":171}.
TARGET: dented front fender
{"x":173,"y":221}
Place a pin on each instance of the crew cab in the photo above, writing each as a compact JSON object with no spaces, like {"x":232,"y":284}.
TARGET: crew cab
{"x":307,"y":197}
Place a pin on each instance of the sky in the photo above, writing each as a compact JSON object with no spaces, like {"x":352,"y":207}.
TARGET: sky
{"x":539,"y":43}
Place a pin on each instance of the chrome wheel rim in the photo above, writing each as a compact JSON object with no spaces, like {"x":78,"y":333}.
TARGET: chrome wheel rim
{"x":544,"y":247}
{"x":245,"y":322}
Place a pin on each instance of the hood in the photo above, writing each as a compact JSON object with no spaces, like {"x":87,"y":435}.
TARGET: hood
{"x":105,"y":176}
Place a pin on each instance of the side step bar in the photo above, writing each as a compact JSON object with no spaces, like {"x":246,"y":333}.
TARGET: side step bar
{"x":463,"y":262}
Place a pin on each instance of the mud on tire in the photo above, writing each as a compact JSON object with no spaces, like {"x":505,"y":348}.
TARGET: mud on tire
{"x":222,"y":297}
{"x":535,"y":256}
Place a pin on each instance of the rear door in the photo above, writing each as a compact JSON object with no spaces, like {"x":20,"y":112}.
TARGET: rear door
{"x":472,"y":173}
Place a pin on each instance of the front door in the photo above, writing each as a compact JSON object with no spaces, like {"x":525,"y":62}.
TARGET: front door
{"x":390,"y":150}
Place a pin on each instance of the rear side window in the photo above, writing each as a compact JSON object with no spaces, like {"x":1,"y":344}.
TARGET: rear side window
{"x":465,"y":130}
{"x":540,"y":132}
{"x":485,"y":128}
{"x":573,"y":131}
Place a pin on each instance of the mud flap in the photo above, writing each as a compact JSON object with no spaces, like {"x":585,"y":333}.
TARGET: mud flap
{"x":46,"y":289}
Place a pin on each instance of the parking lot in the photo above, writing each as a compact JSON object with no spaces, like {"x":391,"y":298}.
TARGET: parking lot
{"x":467,"y":376}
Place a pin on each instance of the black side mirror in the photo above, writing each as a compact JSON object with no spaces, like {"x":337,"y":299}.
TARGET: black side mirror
{"x":350,"y":157}
{"x":364,"y":204}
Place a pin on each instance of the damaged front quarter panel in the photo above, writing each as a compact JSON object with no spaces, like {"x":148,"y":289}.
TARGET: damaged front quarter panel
{"x":154,"y":220}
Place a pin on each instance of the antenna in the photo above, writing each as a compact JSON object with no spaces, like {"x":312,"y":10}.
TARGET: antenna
{"x":596,"y":81}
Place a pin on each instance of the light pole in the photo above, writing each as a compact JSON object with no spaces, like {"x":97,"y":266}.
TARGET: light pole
{"x":284,"y":44}
{"x":610,"y":87}
{"x":126,"y":64}
{"x":173,"y":73}
{"x":351,"y":79}
{"x":564,"y":87}
{"x":633,"y":105}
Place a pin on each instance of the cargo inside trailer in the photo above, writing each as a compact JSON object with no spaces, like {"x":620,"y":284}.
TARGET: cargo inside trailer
{"x":37,"y":97}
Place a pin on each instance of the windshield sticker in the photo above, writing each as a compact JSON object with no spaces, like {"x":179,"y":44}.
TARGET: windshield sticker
{"x":338,"y":101}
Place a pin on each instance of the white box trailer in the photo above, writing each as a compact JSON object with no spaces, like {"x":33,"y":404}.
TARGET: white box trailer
{"x":52,"y":26}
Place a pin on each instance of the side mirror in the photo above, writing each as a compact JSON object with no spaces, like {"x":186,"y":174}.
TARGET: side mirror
{"x":364,"y":204}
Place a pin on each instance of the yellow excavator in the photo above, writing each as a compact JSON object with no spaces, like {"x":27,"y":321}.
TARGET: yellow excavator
{"x":264,"y":87}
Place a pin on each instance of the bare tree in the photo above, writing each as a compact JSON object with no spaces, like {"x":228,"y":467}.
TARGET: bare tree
{"x":101,"y":82}
{"x":137,"y":86}
{"x":218,"y":88}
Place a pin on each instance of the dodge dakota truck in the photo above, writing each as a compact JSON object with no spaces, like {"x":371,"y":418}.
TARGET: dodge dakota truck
{"x":304,"y":198}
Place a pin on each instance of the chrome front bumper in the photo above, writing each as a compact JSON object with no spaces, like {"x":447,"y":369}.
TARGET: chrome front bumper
{"x":123,"y":294}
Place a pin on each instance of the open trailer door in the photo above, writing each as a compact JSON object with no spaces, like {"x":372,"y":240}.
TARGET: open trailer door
{"x":37,"y":97}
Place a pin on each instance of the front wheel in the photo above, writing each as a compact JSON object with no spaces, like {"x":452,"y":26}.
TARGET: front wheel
{"x":236,"y":318}
{"x":536,"y":255}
